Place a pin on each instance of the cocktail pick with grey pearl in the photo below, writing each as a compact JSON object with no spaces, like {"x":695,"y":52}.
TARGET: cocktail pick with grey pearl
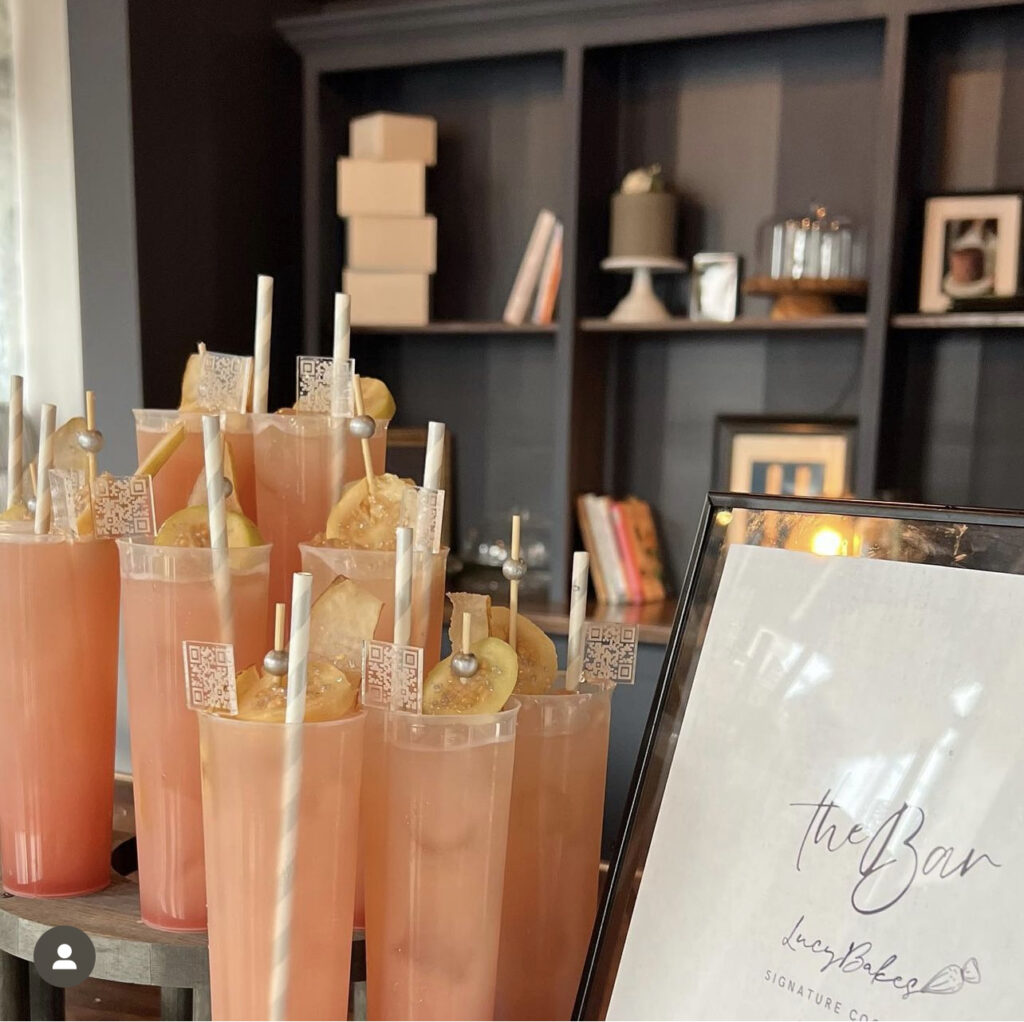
{"x":514,"y":569}
{"x":90,"y":440}
{"x":276,"y":661}
{"x":464,"y":663}
{"x":362,"y":427}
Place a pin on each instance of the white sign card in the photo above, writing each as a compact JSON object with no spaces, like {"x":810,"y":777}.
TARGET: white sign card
{"x":842,"y":829}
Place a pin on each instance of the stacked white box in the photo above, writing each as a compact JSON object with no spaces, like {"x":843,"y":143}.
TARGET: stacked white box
{"x":391,"y":240}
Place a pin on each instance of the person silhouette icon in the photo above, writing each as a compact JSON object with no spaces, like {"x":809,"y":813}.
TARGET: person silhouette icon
{"x":64,"y":958}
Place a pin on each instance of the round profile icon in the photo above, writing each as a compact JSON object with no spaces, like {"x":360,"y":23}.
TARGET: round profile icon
{"x":64,"y":956}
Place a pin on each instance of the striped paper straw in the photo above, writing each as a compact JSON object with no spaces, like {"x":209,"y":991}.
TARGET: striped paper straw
{"x":342,"y":327}
{"x":15,"y":442}
{"x":213,"y":458}
{"x":291,"y":790}
{"x":338,"y":431}
{"x":264,"y":318}
{"x":513,"y":588}
{"x":435,"y":451}
{"x":47,"y":424}
{"x":577,"y":619}
{"x":403,"y":586}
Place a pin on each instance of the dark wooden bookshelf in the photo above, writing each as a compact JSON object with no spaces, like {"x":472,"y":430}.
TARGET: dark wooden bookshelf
{"x":743,"y":324}
{"x":753,"y":108}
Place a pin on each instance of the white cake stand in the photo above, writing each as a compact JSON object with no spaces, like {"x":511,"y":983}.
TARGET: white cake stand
{"x":641,"y":305}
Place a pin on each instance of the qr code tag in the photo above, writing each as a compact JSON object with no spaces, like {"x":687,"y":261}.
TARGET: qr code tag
{"x":609,"y":652}
{"x":224,"y":381}
{"x":123,"y":506}
{"x":69,"y":500}
{"x":317,"y":389}
{"x":422,"y":511}
{"x":210,"y":676}
{"x":392,"y":676}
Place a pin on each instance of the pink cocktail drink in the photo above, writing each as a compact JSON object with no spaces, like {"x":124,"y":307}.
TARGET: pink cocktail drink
{"x":242,"y":766}
{"x":554,"y":851}
{"x":302,"y":461}
{"x":168,"y":596}
{"x":173,"y":483}
{"x":435,"y":813}
{"x":374,"y":571}
{"x":58,"y":704}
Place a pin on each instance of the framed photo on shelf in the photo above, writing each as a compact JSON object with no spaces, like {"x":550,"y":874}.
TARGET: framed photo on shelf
{"x":714,"y":286}
{"x":970,"y":249}
{"x":845,"y":730}
{"x":784,"y":456}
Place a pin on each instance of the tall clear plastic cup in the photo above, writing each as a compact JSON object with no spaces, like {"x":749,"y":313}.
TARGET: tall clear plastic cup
{"x":58,"y":705}
{"x":167,"y":596}
{"x":302,"y":459}
{"x":435,"y":811}
{"x":173,"y":483}
{"x":554,"y":851}
{"x":242,"y":765}
{"x":374,"y":571}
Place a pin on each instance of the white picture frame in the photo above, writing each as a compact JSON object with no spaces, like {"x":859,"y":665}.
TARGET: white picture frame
{"x":714,"y":286}
{"x":970,"y":248}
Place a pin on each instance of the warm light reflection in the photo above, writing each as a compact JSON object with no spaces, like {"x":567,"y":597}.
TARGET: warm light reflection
{"x":827,"y":542}
{"x":723,"y":517}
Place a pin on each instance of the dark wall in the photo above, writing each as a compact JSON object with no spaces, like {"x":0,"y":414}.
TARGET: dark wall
{"x":216,"y":111}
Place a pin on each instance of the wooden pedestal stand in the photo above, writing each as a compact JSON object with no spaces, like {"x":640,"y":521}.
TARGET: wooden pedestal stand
{"x":127,"y":951}
{"x":804,"y":298}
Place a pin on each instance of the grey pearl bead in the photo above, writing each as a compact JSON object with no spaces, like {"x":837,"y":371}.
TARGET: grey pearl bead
{"x":276,"y":662}
{"x":464,"y":665}
{"x":90,"y":440}
{"x":514,"y":569}
{"x":362,"y":427}
{"x":30,"y":503}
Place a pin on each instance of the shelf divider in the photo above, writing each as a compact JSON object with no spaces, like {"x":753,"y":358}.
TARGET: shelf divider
{"x":460,"y":327}
{"x":851,"y":321}
{"x":958,"y":321}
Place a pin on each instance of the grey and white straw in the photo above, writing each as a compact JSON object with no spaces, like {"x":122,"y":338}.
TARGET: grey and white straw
{"x":291,"y":792}
{"x":213,"y":460}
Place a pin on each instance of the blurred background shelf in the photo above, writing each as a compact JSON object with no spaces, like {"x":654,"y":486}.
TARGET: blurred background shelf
{"x":751,"y":108}
{"x":744,"y":324}
{"x":461,"y":327}
{"x":959,"y":321}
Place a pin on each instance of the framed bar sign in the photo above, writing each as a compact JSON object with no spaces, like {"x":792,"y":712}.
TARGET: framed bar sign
{"x":828,"y":817}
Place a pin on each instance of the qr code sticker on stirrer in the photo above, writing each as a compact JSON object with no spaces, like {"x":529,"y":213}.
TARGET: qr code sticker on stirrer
{"x":210,"y":676}
{"x":392,"y":677}
{"x":609,"y":652}
{"x":224,"y":381}
{"x":69,"y":500}
{"x":123,"y":506}
{"x":315,"y":385}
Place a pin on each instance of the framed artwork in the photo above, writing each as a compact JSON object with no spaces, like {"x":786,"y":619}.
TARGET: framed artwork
{"x":714,"y":286}
{"x":970,"y":249}
{"x":825,"y":818}
{"x":784,"y":456}
{"x":407,"y":452}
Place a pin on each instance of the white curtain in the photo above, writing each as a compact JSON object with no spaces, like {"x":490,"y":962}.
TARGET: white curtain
{"x":10,"y":273}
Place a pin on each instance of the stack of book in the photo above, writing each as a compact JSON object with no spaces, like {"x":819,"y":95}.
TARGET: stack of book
{"x":391,"y":249}
{"x":540,"y":273}
{"x":625,"y":559}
